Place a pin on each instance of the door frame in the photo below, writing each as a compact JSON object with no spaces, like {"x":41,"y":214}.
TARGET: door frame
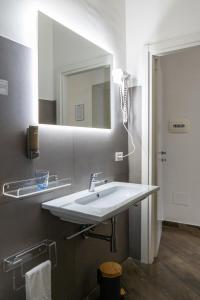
{"x":148,"y":250}
{"x":86,"y":65}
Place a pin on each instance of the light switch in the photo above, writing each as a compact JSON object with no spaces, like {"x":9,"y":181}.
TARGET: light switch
{"x":79,"y":112}
{"x":3,"y":87}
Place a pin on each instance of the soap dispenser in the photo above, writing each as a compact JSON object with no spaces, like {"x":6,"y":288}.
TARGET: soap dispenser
{"x":33,"y":142}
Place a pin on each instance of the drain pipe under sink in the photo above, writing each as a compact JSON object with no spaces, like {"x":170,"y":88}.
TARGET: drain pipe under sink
{"x":112,"y":239}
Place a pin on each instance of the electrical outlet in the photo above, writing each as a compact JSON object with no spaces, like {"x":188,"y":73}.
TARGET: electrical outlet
{"x":118,"y":156}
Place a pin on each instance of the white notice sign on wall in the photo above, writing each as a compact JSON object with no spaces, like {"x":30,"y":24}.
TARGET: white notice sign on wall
{"x":3,"y":87}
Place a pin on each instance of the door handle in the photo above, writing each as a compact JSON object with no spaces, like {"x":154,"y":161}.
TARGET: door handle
{"x":163,"y":160}
{"x":162,"y":152}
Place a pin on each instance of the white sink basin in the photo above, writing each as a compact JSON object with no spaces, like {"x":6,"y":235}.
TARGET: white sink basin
{"x":107,"y":201}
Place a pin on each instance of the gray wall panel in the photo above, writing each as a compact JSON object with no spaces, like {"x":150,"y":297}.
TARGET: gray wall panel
{"x":47,"y":111}
{"x":67,"y":153}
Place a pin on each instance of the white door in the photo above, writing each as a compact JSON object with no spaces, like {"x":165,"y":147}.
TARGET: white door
{"x":178,"y":125}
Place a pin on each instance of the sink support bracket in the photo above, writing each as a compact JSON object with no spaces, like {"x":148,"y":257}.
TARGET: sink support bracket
{"x":112,"y":239}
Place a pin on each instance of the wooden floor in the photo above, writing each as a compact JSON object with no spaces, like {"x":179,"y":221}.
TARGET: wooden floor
{"x":175,"y":275}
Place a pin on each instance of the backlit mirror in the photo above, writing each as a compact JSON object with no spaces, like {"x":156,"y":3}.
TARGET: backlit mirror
{"x":73,"y":78}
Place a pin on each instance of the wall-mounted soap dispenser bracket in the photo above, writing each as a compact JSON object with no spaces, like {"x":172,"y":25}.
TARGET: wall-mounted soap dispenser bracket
{"x":16,"y":262}
{"x":29,"y":187}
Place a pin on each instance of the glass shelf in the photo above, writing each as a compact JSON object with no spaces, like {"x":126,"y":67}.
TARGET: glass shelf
{"x":29,"y":187}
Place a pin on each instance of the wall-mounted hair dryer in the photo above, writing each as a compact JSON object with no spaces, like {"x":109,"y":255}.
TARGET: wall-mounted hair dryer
{"x":122,"y":79}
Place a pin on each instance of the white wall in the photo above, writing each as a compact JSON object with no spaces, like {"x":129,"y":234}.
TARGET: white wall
{"x":100,"y":22}
{"x":155,"y":20}
{"x":179,"y":75}
{"x":17,"y":21}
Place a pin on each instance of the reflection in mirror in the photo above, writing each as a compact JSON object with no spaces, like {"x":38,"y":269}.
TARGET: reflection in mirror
{"x":74,"y":78}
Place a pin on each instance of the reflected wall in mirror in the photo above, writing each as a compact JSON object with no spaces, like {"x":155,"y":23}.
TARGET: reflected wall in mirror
{"x":74,"y":78}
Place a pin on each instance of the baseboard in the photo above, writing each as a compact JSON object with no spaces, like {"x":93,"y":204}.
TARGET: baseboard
{"x":184,"y":227}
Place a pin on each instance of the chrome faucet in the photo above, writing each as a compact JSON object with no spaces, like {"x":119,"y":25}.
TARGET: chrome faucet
{"x":94,"y":181}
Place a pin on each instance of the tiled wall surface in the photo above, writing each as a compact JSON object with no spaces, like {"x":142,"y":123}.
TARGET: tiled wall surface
{"x":66,"y":152}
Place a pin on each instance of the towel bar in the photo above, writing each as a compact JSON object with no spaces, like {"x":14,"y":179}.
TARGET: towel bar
{"x":16,"y":261}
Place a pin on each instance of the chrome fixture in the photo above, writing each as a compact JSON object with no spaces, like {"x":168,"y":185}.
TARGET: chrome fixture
{"x":163,"y":155}
{"x":123,"y":79}
{"x":94,"y":181}
{"x":87,"y":231}
{"x":112,"y":239}
{"x":83,"y":228}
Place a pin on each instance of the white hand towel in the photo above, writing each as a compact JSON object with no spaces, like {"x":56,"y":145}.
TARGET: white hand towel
{"x":38,"y":282}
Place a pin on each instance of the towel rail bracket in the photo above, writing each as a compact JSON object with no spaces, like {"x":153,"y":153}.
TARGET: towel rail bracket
{"x":16,"y":262}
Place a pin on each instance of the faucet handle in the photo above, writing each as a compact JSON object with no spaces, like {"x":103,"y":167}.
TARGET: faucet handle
{"x":96,"y":174}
